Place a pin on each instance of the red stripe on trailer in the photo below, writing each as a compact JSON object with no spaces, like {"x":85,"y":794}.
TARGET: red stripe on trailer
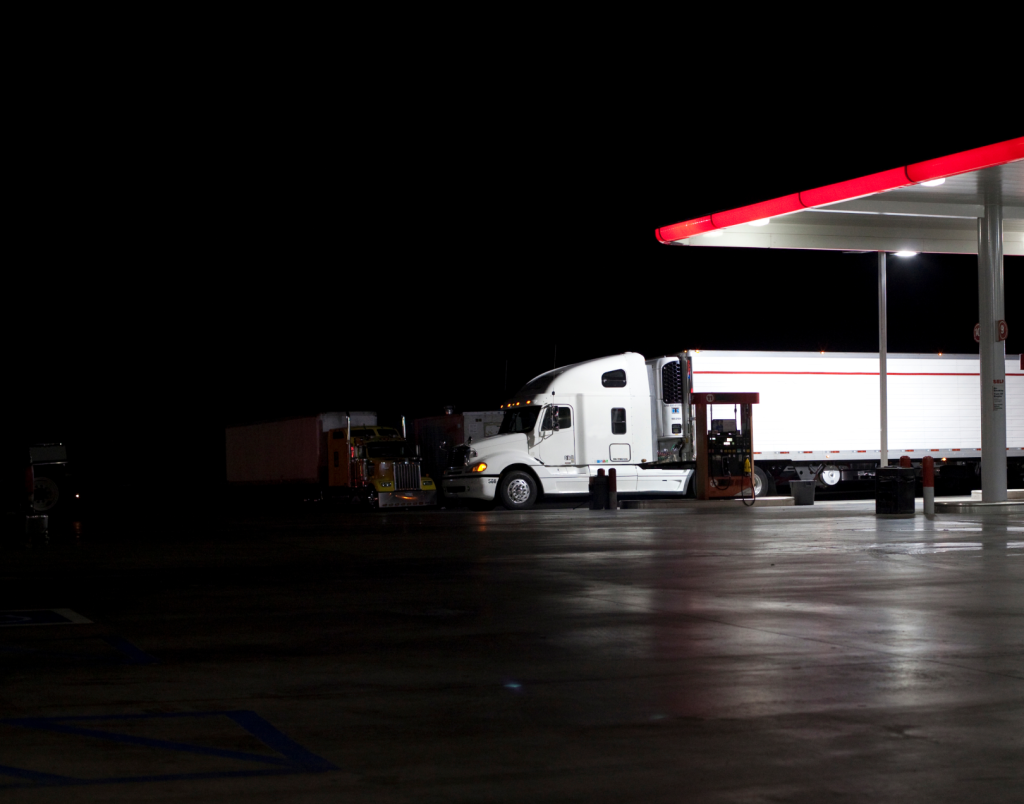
{"x":864,"y":373}
{"x":862,"y":450}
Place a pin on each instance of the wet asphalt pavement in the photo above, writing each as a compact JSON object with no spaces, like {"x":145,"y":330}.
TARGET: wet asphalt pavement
{"x":795,"y":654}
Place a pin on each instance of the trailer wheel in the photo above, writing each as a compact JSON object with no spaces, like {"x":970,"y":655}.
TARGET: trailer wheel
{"x":517,"y":491}
{"x":764,"y":486}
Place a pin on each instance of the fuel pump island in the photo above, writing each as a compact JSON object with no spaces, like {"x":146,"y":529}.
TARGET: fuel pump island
{"x":654,"y":422}
{"x":725,"y":459}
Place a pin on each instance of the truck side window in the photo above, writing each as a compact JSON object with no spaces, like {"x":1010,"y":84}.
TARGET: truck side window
{"x":618,"y":421}
{"x":564,"y":418}
{"x":614,"y":379}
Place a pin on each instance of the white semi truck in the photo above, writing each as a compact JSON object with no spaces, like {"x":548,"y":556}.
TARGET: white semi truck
{"x":817,"y":418}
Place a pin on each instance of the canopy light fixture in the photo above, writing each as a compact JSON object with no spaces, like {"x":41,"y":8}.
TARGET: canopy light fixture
{"x":906,"y":253}
{"x":714,"y":233}
{"x":762,"y":222}
{"x":933,"y":183}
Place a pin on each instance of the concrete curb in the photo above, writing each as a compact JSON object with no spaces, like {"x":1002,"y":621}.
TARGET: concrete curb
{"x":707,"y":504}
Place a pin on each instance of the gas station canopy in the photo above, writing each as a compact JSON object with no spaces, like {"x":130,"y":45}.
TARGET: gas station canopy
{"x":931,"y":206}
{"x":971,"y":202}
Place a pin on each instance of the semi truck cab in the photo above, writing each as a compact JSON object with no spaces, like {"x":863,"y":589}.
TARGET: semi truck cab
{"x":379,"y":466}
{"x":560,"y":429}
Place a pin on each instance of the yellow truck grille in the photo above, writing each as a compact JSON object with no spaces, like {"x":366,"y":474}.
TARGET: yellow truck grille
{"x":407,"y":476}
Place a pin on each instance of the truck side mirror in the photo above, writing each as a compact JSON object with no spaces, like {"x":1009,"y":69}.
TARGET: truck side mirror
{"x":550,"y":422}
{"x":554,"y":418}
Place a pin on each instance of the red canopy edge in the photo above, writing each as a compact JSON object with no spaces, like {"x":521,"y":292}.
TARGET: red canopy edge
{"x":944,"y":166}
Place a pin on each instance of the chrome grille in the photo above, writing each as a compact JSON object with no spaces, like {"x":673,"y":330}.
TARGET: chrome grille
{"x":407,"y":476}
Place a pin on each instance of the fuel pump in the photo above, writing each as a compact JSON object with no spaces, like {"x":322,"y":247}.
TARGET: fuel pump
{"x":725,"y":451}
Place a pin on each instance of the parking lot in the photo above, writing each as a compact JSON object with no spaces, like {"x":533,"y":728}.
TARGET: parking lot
{"x":715,"y":654}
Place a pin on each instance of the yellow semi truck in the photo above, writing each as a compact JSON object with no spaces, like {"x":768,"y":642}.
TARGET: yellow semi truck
{"x":338,"y":455}
{"x":378,"y":465}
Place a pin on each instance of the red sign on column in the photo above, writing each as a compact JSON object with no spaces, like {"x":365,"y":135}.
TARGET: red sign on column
{"x":1001,"y":330}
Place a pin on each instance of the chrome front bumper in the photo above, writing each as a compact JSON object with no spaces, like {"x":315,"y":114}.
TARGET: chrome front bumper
{"x":405,"y":499}
{"x":473,"y":487}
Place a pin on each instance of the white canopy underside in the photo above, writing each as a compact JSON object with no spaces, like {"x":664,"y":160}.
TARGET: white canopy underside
{"x":941,"y":219}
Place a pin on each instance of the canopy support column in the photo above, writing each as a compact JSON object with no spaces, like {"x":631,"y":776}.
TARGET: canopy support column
{"x":993,"y":354}
{"x":883,"y":395}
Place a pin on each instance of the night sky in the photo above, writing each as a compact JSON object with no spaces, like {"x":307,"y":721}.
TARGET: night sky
{"x":244,"y":262}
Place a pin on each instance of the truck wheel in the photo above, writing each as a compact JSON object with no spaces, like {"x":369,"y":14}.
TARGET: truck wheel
{"x":764,"y":486}
{"x":517,"y":491}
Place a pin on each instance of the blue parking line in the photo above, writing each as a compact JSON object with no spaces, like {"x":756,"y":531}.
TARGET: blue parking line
{"x":135,"y":655}
{"x":272,"y":738}
{"x":130,"y":654}
{"x":35,"y":776}
{"x":48,"y":724}
{"x":293,"y":758}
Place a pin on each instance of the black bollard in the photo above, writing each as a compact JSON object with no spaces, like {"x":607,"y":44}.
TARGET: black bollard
{"x":599,"y":491}
{"x":613,"y":491}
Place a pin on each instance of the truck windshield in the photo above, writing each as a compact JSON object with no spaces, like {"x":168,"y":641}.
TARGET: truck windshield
{"x":390,"y":449}
{"x":519,"y":420}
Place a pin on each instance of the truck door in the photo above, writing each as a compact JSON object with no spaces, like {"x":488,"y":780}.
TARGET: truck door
{"x":556,"y":447}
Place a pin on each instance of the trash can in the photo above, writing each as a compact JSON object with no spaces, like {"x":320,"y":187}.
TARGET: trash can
{"x":894,"y":490}
{"x":802,"y":491}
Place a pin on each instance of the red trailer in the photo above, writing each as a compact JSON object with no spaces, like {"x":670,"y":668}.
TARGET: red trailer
{"x":292,"y":451}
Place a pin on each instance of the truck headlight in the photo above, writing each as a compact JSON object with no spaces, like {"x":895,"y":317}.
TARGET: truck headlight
{"x":479,"y":467}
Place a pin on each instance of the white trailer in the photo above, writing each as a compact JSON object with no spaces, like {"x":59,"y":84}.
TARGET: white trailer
{"x":818,"y":417}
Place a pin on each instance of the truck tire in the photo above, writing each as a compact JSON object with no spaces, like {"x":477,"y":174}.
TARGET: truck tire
{"x":517,"y":490}
{"x":764,"y":486}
